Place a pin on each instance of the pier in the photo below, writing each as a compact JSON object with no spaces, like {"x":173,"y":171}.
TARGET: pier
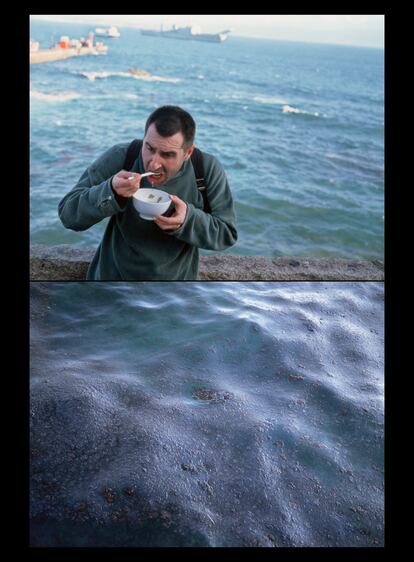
{"x":58,"y":53}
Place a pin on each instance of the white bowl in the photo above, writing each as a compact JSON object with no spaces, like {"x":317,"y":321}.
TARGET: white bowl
{"x":150,"y":202}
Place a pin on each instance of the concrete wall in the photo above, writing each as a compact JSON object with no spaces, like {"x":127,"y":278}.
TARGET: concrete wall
{"x":69,"y":263}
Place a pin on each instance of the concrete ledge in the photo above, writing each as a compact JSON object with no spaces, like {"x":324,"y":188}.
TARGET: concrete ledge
{"x":70,"y":263}
{"x":258,"y":268}
{"x":54,"y":54}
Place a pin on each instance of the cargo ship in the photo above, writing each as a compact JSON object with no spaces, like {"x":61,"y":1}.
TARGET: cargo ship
{"x":189,"y":33}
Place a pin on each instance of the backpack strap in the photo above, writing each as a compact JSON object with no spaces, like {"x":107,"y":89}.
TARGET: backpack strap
{"x":196,"y":160}
{"x":132,"y":154}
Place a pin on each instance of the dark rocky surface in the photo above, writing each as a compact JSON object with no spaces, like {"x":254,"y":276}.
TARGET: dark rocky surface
{"x":65,"y":262}
{"x":259,"y":423}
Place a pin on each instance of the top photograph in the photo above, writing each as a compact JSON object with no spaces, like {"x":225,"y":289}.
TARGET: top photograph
{"x":207,"y":147}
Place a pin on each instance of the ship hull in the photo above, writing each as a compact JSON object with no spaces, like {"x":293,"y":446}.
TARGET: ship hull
{"x":209,"y":38}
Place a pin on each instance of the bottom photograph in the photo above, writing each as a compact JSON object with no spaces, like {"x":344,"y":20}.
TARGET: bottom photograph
{"x":206,"y":414}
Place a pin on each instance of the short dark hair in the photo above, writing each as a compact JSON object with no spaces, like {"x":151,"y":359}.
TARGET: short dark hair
{"x":170,"y":119}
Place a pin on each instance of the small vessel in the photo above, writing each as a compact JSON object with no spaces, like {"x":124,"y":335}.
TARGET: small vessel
{"x":110,"y":32}
{"x":138,"y":72}
{"x":190,"y":32}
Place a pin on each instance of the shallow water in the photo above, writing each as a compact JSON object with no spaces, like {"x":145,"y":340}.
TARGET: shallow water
{"x":298,"y":127}
{"x":207,"y":414}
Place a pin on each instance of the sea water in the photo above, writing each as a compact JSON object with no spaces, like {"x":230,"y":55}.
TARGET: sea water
{"x":298,"y":127}
{"x":207,"y":414}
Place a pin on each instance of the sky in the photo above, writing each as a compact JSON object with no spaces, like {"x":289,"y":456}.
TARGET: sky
{"x":358,"y":30}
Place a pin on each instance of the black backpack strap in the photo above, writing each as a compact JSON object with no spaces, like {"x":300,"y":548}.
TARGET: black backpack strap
{"x":132,"y":154}
{"x":197,"y":161}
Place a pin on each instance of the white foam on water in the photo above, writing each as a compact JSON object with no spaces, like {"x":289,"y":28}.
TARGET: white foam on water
{"x":67,"y":96}
{"x":289,"y":109}
{"x":151,"y":78}
{"x":234,"y":96}
{"x":117,"y":96}
{"x":269,"y":100}
{"x":58,"y":97}
{"x":131,"y":96}
{"x":93,"y":75}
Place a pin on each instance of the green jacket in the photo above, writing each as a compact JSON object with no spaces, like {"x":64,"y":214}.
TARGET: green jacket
{"x":133,"y":248}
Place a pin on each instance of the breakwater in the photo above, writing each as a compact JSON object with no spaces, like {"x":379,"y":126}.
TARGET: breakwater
{"x":50,"y":55}
{"x":64,"y":262}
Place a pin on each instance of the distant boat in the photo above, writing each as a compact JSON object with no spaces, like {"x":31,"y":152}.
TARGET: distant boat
{"x":139,"y":72}
{"x":189,"y":33}
{"x":111,"y":32}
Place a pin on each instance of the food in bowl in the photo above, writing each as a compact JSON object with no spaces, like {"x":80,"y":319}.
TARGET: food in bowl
{"x":150,"y":202}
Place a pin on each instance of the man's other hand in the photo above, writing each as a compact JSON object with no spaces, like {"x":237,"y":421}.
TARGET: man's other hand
{"x":175,"y":221}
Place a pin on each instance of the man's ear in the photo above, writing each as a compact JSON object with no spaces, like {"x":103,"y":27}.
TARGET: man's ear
{"x":189,"y":152}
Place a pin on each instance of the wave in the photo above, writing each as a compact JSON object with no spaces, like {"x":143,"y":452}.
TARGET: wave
{"x":73,"y":95}
{"x":346,"y":161}
{"x":269,"y":100}
{"x":61,"y":96}
{"x":92,"y":76}
{"x":275,"y":100}
{"x":117,"y":96}
{"x":289,"y":109}
{"x":131,"y":96}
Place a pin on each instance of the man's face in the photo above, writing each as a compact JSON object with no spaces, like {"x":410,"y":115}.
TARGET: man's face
{"x":163,"y":154}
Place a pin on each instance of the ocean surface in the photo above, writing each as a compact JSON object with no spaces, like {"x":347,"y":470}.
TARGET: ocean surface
{"x":207,"y":414}
{"x":299,"y":128}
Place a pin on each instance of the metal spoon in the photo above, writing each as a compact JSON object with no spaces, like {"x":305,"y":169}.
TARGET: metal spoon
{"x":146,"y":174}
